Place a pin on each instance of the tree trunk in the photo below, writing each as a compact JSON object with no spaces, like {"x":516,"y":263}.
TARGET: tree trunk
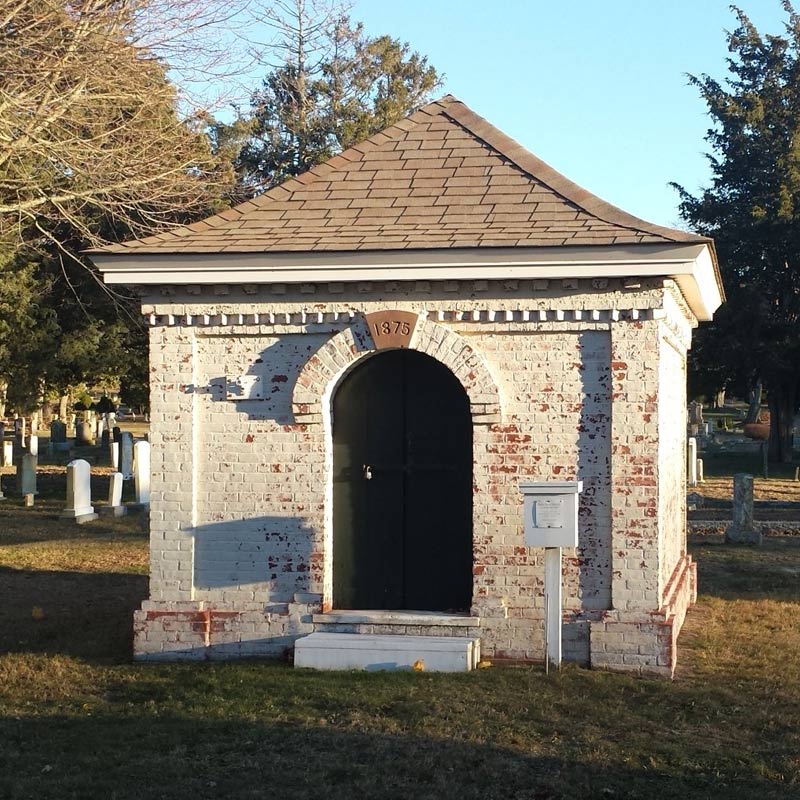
{"x":63,"y":407}
{"x":754,"y":401}
{"x":782,"y":406}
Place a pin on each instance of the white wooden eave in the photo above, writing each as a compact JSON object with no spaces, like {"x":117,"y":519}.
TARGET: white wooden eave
{"x":691,"y":266}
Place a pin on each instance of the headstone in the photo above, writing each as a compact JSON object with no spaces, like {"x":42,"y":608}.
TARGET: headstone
{"x":105,"y":439}
{"x":141,"y":472}
{"x":58,"y":436}
{"x":691,"y":462}
{"x":99,"y":428}
{"x":2,"y":429}
{"x":695,"y":413}
{"x":33,"y":445}
{"x":58,"y":431}
{"x":8,"y":453}
{"x":83,"y":434}
{"x":115,"y":455}
{"x":117,"y":432}
{"x":115,"y":507}
{"x":79,"y":492}
{"x":126,"y":455}
{"x":743,"y":529}
{"x":26,"y":475}
{"x":700,"y":476}
{"x":694,"y":500}
{"x":19,"y":429}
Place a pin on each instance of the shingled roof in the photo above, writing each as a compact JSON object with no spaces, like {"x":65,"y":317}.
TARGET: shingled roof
{"x":441,"y":178}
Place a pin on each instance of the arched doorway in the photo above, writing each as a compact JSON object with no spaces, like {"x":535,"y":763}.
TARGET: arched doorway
{"x":402,"y":486}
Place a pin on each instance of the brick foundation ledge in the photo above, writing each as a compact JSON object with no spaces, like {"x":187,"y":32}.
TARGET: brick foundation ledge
{"x":642,"y":642}
{"x":204,"y":631}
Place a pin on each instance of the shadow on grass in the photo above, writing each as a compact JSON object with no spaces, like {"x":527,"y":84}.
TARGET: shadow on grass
{"x":86,"y":615}
{"x":725,"y":464}
{"x":142,"y":757}
{"x":745,"y":572}
{"x":43,"y":523}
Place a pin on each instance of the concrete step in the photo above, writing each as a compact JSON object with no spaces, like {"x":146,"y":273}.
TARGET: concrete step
{"x":373,"y":652}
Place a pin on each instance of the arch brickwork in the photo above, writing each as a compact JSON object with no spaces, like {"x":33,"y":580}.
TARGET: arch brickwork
{"x":349,"y":346}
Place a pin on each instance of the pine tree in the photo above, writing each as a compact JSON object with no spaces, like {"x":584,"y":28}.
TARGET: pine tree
{"x":752,"y":210}
{"x":332,"y":87}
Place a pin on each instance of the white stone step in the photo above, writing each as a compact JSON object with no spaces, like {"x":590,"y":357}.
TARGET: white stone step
{"x":375,"y":652}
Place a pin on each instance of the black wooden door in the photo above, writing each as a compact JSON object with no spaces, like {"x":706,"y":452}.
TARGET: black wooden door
{"x":402,"y":486}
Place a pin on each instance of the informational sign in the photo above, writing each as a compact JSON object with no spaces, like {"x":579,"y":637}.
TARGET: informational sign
{"x":548,"y":512}
{"x":551,"y":513}
{"x":391,"y":329}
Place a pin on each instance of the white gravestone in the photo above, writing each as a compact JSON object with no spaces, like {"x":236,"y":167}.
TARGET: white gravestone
{"x":691,"y":462}
{"x":126,"y":455}
{"x":115,"y":455}
{"x":141,"y":472}
{"x":83,"y":434}
{"x":79,"y":492}
{"x":33,"y":445}
{"x":115,"y":507}
{"x":26,"y":475}
{"x":8,"y":453}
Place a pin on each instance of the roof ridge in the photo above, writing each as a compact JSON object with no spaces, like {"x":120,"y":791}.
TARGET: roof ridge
{"x":541,"y":171}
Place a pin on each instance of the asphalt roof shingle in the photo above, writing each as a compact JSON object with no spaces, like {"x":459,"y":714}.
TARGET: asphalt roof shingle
{"x":443,"y":177}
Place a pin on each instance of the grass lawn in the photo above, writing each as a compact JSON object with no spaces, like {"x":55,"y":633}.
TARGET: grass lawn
{"x":79,"y":720}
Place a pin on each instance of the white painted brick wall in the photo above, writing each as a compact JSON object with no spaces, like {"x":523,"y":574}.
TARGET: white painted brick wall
{"x":240,"y":515}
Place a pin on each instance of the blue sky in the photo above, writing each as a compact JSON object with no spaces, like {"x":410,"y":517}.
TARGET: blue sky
{"x":596,"y":89}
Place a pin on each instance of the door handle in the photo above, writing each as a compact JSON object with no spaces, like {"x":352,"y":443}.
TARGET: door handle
{"x":367,"y":472}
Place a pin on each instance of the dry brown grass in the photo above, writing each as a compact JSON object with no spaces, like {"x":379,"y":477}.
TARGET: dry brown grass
{"x":763,"y":489}
{"x":79,"y":720}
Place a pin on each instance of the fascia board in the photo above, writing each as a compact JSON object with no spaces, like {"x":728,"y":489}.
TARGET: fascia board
{"x":691,"y":266}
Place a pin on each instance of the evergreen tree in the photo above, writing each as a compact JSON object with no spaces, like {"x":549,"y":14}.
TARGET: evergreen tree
{"x":332,"y":87}
{"x":752,"y":210}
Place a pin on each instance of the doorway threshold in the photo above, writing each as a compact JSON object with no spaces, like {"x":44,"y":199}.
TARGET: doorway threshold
{"x":396,"y":617}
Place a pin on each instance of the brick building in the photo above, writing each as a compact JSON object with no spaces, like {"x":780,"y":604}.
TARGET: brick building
{"x":352,"y":374}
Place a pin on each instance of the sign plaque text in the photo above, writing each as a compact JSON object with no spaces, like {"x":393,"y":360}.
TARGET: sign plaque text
{"x":391,"y":329}
{"x":548,"y":513}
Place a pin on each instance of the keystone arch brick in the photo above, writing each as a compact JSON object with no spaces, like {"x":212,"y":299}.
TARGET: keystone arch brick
{"x":324,"y":369}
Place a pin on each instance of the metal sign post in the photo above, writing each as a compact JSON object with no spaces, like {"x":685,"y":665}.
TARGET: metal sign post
{"x":552,"y":604}
{"x":551,"y":521}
